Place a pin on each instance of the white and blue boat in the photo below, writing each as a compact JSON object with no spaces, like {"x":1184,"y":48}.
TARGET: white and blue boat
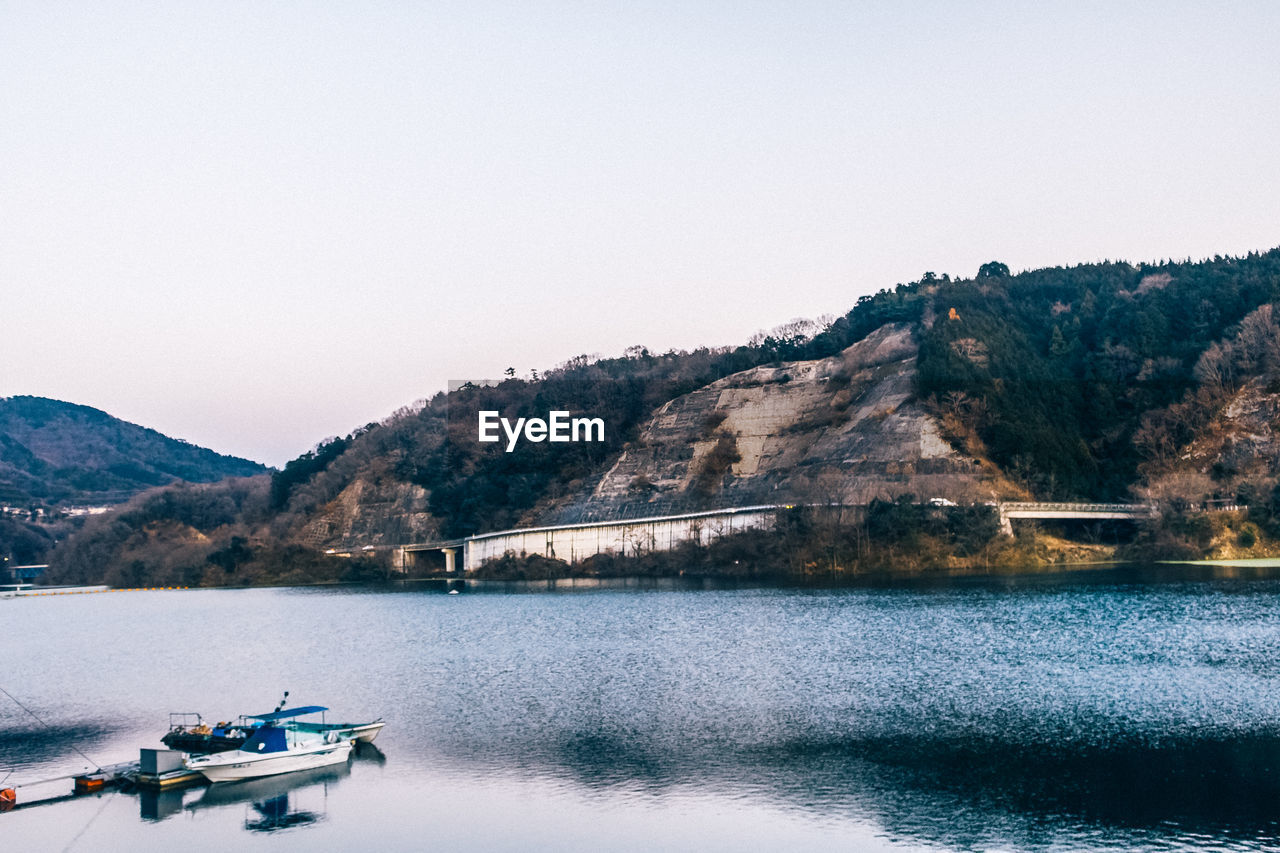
{"x":278,"y":745}
{"x":198,"y":738}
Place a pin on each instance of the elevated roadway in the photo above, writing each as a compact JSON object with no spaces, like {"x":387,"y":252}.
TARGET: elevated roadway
{"x":574,"y":542}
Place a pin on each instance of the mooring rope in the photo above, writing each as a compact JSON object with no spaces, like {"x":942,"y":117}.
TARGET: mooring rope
{"x":85,"y":828}
{"x":36,"y":717}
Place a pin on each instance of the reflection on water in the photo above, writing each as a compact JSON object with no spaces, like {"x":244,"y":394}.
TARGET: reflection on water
{"x":276,"y":814}
{"x":963,"y":792}
{"x":938,"y":789}
{"x":26,"y":742}
{"x":274,"y":800}
{"x":1115,"y":711}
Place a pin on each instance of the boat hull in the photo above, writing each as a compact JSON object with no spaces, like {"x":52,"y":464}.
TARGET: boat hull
{"x":367,"y":732}
{"x":363,"y":732}
{"x":231,"y":767}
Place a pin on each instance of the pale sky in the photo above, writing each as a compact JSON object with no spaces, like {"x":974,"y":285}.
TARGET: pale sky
{"x":256,"y":225}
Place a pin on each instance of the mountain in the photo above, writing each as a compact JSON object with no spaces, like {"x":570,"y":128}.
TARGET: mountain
{"x":1096,"y":382}
{"x":57,"y":454}
{"x":843,"y":429}
{"x":1059,"y":383}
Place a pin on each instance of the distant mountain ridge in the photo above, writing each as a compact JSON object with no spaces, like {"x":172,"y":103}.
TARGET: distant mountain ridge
{"x":1061,"y":383}
{"x":1107,"y":381}
{"x":58,"y":453}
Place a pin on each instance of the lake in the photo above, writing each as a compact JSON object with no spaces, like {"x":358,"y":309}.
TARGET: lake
{"x":1118,"y":709}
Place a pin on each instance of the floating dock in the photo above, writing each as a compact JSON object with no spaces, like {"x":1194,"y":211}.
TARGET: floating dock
{"x":162,"y":769}
{"x":95,"y":782}
{"x":156,"y":769}
{"x":23,"y":590}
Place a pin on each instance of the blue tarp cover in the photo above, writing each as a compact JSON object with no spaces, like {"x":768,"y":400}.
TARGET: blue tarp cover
{"x":287,"y":713}
{"x":267,"y":739}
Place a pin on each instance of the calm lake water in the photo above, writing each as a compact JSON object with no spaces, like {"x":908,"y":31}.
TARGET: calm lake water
{"x":1112,"y":711}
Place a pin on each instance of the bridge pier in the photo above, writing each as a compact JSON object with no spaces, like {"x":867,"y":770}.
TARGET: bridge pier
{"x":1006,"y":524}
{"x":413,"y":558}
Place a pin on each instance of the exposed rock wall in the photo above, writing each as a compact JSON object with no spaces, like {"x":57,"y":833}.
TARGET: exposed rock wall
{"x":841,"y":429}
{"x":1247,"y":441}
{"x":364,"y":513}
{"x":1240,"y":445}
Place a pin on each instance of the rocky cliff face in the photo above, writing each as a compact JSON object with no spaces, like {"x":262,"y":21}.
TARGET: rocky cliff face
{"x":1246,"y":441}
{"x":1241,"y":445}
{"x":842,"y":429}
{"x":367,"y":512}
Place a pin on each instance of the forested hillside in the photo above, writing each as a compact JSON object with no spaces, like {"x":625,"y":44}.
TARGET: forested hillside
{"x":1057,"y":371}
{"x":1060,"y":376}
{"x":1079,"y":382}
{"x":54,"y":453}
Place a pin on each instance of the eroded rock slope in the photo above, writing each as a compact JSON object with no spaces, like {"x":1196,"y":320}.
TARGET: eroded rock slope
{"x":841,"y":429}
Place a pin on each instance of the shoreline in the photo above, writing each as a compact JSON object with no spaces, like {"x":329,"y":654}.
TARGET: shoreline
{"x":1085,"y":569}
{"x":1225,"y":568}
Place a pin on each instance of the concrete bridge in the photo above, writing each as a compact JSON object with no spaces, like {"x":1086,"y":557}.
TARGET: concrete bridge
{"x":403,"y":557}
{"x":1088,"y":511}
{"x":574,"y":542}
{"x":20,"y":574}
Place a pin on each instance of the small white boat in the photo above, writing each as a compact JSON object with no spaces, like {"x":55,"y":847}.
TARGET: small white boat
{"x":273,"y":749}
{"x":363,"y":732}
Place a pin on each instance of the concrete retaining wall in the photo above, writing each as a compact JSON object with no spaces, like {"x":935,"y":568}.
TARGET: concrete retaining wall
{"x":637,"y":536}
